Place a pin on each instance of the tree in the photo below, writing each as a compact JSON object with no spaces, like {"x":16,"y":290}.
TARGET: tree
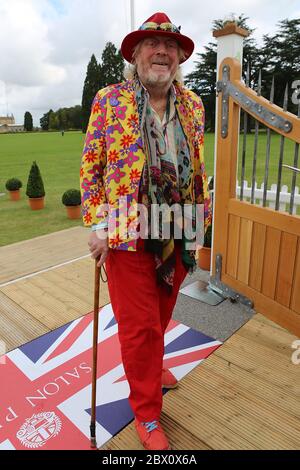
{"x":91,"y":86}
{"x":98,"y":76}
{"x":280,"y":58}
{"x":28,"y":122}
{"x":203,"y":82}
{"x":112,"y":66}
{"x":44,"y":121}
{"x":35,"y":184}
{"x":75,"y":117}
{"x":65,"y":118}
{"x":53,"y":122}
{"x":203,"y":79}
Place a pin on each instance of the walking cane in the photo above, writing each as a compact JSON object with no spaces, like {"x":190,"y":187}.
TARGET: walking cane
{"x":95,"y":353}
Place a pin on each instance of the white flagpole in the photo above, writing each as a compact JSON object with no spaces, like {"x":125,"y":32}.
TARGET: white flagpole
{"x":132,"y":15}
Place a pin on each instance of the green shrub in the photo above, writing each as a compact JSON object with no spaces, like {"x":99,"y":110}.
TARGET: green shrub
{"x":72,"y":197}
{"x":13,"y":184}
{"x":35,"y":185}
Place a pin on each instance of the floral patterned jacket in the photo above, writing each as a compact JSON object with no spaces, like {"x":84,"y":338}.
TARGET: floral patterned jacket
{"x":113,"y":157}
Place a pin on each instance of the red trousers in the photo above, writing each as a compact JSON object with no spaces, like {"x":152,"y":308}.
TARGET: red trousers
{"x":143,"y":311}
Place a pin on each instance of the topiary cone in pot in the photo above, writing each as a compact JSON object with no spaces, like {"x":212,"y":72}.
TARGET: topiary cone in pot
{"x":35,"y":188}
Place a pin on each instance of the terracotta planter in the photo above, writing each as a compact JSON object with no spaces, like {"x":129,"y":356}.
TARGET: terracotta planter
{"x":204,"y":258}
{"x":15,"y":195}
{"x":74,"y":212}
{"x":36,"y":203}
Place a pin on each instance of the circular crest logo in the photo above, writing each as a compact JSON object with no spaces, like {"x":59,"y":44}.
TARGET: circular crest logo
{"x":38,"y":429}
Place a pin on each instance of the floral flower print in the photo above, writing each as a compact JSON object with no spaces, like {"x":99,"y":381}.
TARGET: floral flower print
{"x":115,"y":242}
{"x":131,"y":159}
{"x":114,"y":138}
{"x":117,"y":175}
{"x":126,"y":141}
{"x":87,"y":218}
{"x":109,"y":141}
{"x":135,"y":175}
{"x":91,"y":156}
{"x":99,"y":123}
{"x":114,"y":102}
{"x":94,"y":200}
{"x":120,"y":112}
{"x":113,"y":156}
{"x":133,"y":123}
{"x":96,"y":107}
{"x":122,"y":190}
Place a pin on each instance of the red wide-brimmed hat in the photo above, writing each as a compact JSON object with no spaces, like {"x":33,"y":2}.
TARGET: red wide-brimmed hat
{"x":159,"y":25}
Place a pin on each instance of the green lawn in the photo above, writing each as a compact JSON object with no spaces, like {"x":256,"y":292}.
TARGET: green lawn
{"x":261,"y":158}
{"x":59,"y":161}
{"x":289,"y":148}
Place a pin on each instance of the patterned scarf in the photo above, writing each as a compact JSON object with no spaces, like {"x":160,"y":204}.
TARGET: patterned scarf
{"x":160,"y":185}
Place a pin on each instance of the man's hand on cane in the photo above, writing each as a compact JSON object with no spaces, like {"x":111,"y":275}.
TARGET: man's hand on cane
{"x":98,"y":243}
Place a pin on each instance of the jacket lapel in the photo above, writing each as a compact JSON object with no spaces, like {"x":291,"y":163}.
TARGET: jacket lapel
{"x":186,"y":116}
{"x":125,"y":112}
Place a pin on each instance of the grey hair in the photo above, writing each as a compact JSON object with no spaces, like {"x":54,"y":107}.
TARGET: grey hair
{"x":130,"y":70}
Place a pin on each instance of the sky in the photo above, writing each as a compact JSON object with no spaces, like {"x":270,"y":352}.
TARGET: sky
{"x":45,"y":45}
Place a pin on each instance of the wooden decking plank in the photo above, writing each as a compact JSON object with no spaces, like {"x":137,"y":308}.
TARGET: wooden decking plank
{"x":42,"y":252}
{"x":258,"y":317}
{"x":238,"y":398}
{"x":221,"y":408}
{"x":244,"y":396}
{"x":184,"y":419}
{"x":265,"y":364}
{"x":267,"y":336}
{"x":180,"y":438}
{"x":37,"y":304}
{"x":259,"y":387}
{"x":252,"y":417}
{"x":184,"y":407}
{"x":53,"y":298}
{"x":262,"y":352}
{"x":78,"y":280}
{"x":17,"y":326}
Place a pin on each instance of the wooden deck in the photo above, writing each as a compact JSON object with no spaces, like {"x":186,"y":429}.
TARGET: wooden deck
{"x":31,"y":256}
{"x":35,"y":295}
{"x":244,"y":396}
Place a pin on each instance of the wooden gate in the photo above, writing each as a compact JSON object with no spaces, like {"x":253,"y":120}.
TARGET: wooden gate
{"x":256,"y":250}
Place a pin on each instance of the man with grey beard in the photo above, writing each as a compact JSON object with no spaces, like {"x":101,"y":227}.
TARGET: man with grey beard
{"x":144,"y":148}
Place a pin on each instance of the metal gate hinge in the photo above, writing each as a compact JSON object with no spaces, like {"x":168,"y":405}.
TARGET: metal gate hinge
{"x":221,"y":288}
{"x":269,"y":118}
{"x":222,"y":86}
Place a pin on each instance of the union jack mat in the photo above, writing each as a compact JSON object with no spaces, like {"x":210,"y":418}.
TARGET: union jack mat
{"x":46,"y":384}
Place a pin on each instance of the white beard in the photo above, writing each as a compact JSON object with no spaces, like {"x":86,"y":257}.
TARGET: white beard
{"x":155,"y":78}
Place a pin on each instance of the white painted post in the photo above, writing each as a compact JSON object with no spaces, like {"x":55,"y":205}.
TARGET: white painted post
{"x":229,"y":44}
{"x":132,"y":15}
